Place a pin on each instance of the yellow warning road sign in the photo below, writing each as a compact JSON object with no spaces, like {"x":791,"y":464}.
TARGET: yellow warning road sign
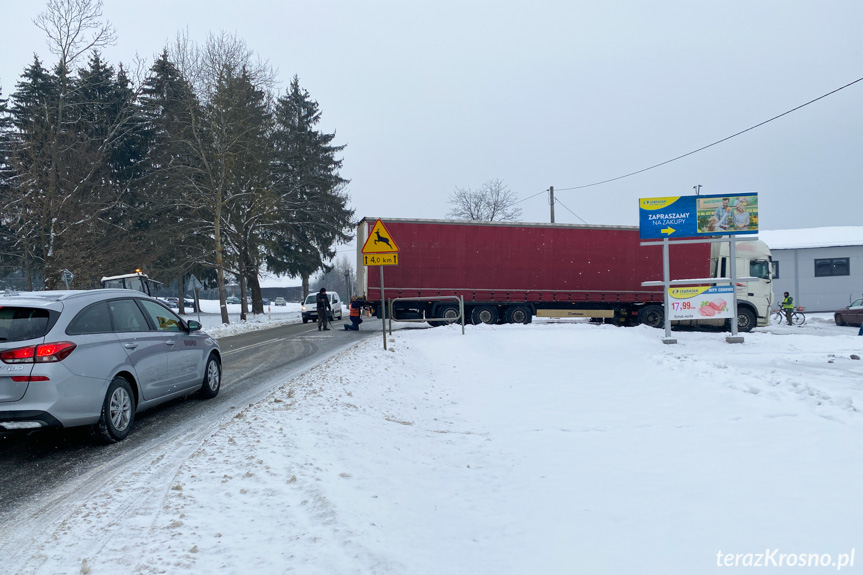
{"x":380,"y":241}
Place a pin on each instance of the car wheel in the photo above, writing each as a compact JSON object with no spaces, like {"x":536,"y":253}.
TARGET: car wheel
{"x":839,"y":320}
{"x":118,"y":412}
{"x":212,"y":378}
{"x":305,"y":320}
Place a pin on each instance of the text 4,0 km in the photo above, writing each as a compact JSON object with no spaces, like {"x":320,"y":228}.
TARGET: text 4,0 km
{"x":380,"y":259}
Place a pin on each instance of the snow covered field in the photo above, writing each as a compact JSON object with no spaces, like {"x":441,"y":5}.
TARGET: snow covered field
{"x":557,"y":447}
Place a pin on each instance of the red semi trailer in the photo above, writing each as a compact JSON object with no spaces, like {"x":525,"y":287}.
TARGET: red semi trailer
{"x":510,"y":272}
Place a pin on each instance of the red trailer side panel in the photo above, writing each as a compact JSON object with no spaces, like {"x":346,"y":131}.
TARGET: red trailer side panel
{"x":529,"y":262}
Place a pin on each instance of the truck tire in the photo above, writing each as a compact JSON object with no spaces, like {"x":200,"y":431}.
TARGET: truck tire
{"x":484,"y":314}
{"x":448,"y":312}
{"x":745,"y":319}
{"x":518,"y":314}
{"x":651,"y":316}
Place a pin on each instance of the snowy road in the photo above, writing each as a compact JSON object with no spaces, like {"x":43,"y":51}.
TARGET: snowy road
{"x":36,"y":466}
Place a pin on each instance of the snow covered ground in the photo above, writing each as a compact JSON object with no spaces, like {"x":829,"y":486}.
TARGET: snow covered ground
{"x":211,"y":318}
{"x":557,"y":447}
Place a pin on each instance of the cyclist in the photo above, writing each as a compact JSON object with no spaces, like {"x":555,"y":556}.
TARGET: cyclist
{"x":788,"y":307}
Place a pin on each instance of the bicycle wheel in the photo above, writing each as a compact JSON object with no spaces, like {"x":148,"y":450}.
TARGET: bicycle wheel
{"x":777,"y":318}
{"x":797,"y":318}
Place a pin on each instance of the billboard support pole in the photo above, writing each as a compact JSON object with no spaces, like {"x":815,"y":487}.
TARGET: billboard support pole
{"x":732,"y":263}
{"x":666,"y":284}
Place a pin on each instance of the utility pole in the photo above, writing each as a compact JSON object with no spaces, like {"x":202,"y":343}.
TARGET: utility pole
{"x":551,"y":201}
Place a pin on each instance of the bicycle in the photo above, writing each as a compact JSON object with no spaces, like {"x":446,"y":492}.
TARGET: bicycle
{"x":797,"y":316}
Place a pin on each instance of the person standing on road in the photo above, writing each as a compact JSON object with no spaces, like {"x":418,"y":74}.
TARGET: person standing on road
{"x":788,"y":307}
{"x":323,"y":304}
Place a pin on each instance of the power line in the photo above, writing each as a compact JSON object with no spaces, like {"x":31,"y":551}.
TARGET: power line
{"x":557,"y":201}
{"x":533,"y":196}
{"x":707,"y":146}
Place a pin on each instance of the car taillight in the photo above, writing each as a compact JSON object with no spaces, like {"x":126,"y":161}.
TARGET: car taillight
{"x":45,"y":353}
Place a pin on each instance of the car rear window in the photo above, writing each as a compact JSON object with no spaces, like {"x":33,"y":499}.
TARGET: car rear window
{"x":22,"y":323}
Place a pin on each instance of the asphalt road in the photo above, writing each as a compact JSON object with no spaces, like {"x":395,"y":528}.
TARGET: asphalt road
{"x":36,"y":466}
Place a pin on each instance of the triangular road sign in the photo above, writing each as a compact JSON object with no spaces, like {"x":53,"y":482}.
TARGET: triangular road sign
{"x":380,"y":241}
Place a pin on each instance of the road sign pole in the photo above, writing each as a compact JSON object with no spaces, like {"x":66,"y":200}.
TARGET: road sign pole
{"x":383,"y":309}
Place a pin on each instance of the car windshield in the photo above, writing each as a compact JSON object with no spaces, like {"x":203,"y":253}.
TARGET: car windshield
{"x":22,"y":323}
{"x":310,"y":299}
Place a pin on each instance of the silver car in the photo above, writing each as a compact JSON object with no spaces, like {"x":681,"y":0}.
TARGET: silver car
{"x":97,"y":357}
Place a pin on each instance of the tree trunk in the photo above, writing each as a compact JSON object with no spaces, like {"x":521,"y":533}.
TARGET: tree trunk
{"x":180,"y":305}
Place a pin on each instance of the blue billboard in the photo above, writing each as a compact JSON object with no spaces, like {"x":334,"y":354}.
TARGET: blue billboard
{"x":698,"y":216}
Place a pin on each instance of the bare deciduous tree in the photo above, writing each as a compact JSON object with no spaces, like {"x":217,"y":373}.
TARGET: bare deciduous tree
{"x":74,"y":27}
{"x":492,"y":202}
{"x":217,"y":138}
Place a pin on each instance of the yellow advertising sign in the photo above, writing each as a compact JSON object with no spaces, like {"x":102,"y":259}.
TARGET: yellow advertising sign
{"x":657,"y":203}
{"x":380,"y":259}
{"x":380,"y":241}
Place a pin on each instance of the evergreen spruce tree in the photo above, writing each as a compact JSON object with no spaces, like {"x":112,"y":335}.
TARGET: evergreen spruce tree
{"x":311,"y":192}
{"x":249,"y":207}
{"x":173,"y":224}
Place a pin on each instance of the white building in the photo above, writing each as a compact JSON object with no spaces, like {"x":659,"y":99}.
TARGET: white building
{"x":822,"y":268}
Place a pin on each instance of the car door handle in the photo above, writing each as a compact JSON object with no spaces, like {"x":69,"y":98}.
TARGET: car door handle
{"x":130,"y":345}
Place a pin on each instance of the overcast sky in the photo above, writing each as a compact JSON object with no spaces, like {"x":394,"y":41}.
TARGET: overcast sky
{"x":433,"y":95}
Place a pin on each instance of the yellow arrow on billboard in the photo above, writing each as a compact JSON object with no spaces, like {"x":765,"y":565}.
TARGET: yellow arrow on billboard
{"x":668,"y":231}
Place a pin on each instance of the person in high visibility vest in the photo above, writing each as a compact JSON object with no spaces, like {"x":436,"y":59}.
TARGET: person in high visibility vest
{"x":788,"y":306}
{"x":356,"y":308}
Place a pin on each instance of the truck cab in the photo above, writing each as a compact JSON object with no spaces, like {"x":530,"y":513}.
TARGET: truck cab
{"x":754,"y":298}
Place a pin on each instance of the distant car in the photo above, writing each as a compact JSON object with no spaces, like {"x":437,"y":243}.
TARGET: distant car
{"x":280,"y":301}
{"x":189,"y":304}
{"x":232,"y":299}
{"x":310,"y":309}
{"x":850,"y":315}
{"x":265,"y":300}
{"x":97,"y":357}
{"x":172,"y":302}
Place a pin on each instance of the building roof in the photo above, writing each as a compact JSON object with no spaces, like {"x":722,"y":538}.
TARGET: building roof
{"x":812,"y":237}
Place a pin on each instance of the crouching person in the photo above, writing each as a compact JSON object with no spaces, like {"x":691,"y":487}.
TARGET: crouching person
{"x":356,"y":309}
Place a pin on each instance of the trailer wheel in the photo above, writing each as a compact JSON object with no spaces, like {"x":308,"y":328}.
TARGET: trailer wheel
{"x":448,"y":312}
{"x":518,"y":314}
{"x":745,"y":319}
{"x":651,"y":316}
{"x":484,"y":314}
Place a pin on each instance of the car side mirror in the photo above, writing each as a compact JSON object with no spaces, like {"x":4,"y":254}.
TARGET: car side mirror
{"x":193,"y":325}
